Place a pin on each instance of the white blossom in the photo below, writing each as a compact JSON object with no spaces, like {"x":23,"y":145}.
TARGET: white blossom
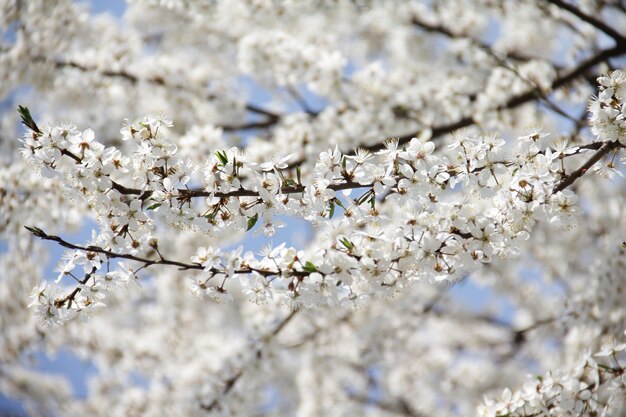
{"x":438,"y":186}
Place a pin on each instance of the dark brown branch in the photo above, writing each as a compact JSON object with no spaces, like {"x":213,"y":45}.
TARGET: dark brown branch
{"x":512,"y":103}
{"x":43,"y":235}
{"x":259,"y":110}
{"x":292,"y":189}
{"x":600,"y":153}
{"x":477,"y":43}
{"x":194,"y":193}
{"x":602,"y":149}
{"x":399,"y":406}
{"x":187,"y":194}
{"x":116,"y":186}
{"x":69,"y":299}
{"x":617,"y":37}
{"x":251,"y":125}
{"x":502,"y":62}
{"x":149,"y":262}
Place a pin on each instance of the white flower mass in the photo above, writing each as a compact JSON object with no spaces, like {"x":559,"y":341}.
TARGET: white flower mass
{"x":431,"y":146}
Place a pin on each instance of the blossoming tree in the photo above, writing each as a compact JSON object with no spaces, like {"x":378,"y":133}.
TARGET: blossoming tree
{"x":432,"y":145}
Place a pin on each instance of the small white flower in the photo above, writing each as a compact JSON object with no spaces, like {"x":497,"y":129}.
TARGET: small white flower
{"x":276,"y":163}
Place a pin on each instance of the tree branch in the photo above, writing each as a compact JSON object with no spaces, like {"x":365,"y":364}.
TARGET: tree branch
{"x":37,"y":232}
{"x":44,"y":236}
{"x":578,"y":71}
{"x":291,"y":189}
{"x":477,"y":43}
{"x":600,"y":153}
{"x":295,"y":95}
{"x":399,"y":406}
{"x":272,"y":117}
{"x":617,"y":37}
{"x":513,"y":102}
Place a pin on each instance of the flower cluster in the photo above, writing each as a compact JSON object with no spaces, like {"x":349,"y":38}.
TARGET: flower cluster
{"x":608,"y":110}
{"x":442,"y":216}
{"x":288,"y":61}
{"x":594,"y":386}
{"x":416,"y":275}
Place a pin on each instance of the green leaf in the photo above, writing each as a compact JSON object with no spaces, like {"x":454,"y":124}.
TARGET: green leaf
{"x":27,"y":119}
{"x":211,"y":216}
{"x":299,"y":174}
{"x":37,"y":232}
{"x":345,"y":242}
{"x":153,"y":206}
{"x":252,"y":221}
{"x":309,"y":267}
{"x":222,"y":156}
{"x":34,"y":230}
{"x":331,"y":209}
{"x":339,"y":203}
{"x":363,"y":198}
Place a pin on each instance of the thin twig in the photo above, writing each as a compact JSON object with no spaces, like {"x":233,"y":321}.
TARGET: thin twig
{"x":600,"y":153}
{"x":149,"y":262}
{"x":297,"y":97}
{"x":229,"y":383}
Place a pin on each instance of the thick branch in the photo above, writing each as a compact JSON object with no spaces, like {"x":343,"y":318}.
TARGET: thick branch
{"x":512,"y":103}
{"x":291,"y":189}
{"x":186,"y":193}
{"x":251,"y":125}
{"x":516,"y":101}
{"x":477,"y":43}
{"x":618,"y":37}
